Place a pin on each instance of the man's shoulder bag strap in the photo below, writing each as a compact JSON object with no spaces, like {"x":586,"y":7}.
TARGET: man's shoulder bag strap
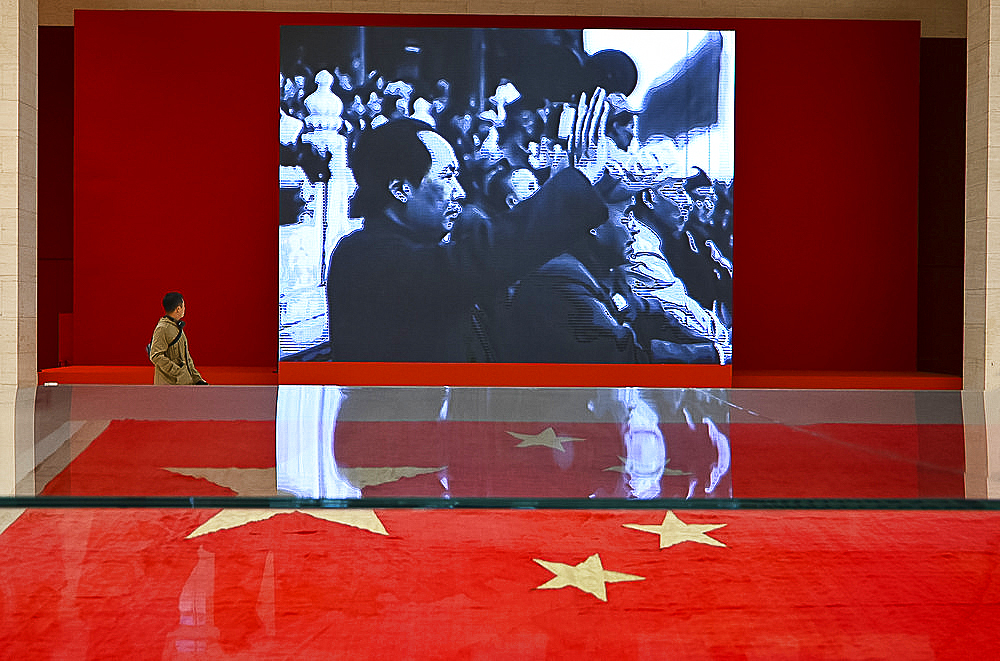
{"x":149,"y":347}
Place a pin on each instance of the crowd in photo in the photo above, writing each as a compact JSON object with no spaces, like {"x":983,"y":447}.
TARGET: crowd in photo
{"x":477,"y":217}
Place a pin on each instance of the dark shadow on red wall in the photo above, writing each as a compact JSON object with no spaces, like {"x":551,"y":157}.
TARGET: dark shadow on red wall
{"x":55,"y":187}
{"x":940,"y":262}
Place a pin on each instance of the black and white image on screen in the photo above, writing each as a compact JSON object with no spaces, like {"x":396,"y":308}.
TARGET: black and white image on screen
{"x":653,"y":282}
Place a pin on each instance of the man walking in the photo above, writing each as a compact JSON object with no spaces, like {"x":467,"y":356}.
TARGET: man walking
{"x":169,"y":350}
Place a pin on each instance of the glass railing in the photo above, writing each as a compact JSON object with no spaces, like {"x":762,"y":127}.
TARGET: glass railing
{"x":572,"y":448}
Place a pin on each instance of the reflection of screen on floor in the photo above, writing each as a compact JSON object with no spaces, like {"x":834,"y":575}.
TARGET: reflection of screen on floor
{"x":505,"y":101}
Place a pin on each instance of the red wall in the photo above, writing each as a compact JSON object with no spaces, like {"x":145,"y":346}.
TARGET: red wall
{"x":827,"y":156}
{"x":175,"y":167}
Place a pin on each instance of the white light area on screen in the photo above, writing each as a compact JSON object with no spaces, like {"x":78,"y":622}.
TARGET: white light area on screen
{"x":653,"y":51}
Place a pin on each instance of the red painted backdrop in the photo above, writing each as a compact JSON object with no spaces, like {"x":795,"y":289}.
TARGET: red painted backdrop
{"x":175,"y":162}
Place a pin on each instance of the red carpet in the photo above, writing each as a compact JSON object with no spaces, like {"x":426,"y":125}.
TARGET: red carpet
{"x":447,"y":584}
{"x":128,"y":459}
{"x":482,"y":459}
{"x":102,"y":584}
{"x":848,"y":461}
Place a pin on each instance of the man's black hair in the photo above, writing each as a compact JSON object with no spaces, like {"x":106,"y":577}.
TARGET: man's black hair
{"x":391,"y":151}
{"x":171,"y":301}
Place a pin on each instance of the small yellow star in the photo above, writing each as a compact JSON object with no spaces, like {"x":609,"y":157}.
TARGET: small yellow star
{"x":588,"y":576}
{"x":547,"y":438}
{"x":674,"y":531}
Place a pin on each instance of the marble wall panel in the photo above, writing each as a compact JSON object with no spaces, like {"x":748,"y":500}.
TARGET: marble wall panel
{"x":939,"y":18}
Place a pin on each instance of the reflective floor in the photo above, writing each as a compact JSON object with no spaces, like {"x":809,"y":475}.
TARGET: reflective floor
{"x":476,"y":523}
{"x":580,"y":447}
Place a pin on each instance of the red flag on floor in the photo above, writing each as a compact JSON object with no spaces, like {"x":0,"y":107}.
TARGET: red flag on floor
{"x":442,"y":584}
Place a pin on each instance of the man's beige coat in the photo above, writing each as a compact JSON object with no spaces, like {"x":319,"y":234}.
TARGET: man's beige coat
{"x":173,"y":364}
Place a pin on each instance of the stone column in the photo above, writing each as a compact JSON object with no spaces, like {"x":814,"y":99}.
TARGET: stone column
{"x":982,"y":447}
{"x":982,"y":253}
{"x":18,"y":245}
{"x":982,"y":203}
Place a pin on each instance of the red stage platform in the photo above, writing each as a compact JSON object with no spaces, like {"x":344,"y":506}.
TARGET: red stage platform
{"x":143,"y":375}
{"x":256,"y":376}
{"x":829,"y":380}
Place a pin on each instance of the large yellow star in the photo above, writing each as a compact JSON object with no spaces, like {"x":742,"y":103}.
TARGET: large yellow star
{"x":588,"y":576}
{"x":674,"y":531}
{"x":246,"y":482}
{"x":260,"y":482}
{"x":546,"y":438}
{"x":233,"y":518}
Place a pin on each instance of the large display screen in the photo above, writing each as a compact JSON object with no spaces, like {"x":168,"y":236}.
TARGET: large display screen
{"x":435,"y":205}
